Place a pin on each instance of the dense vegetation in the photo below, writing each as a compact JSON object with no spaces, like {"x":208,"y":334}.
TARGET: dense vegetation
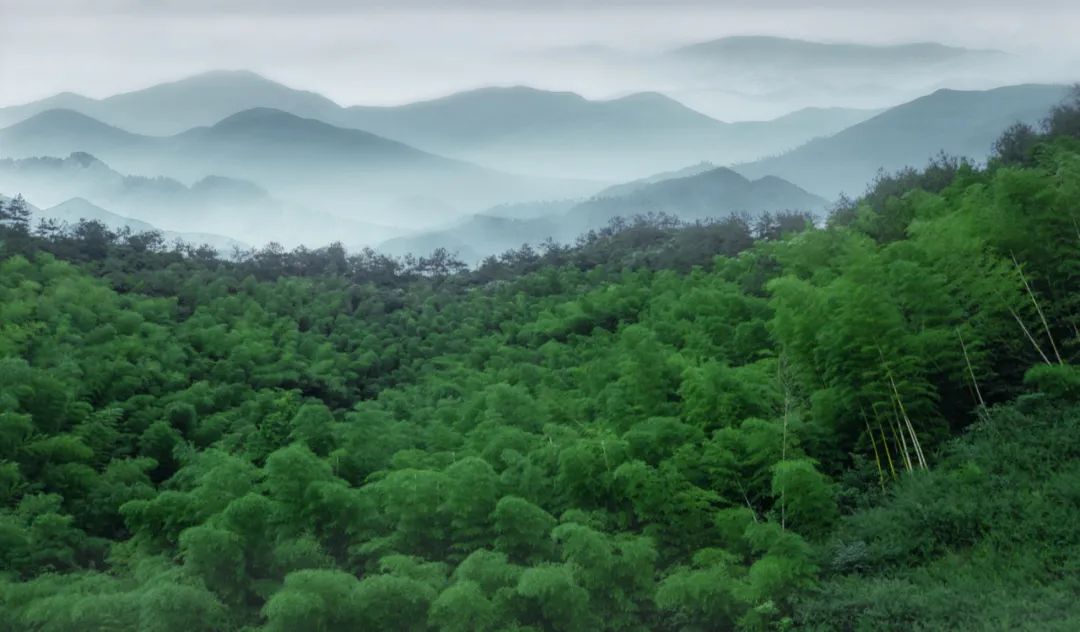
{"x":871,"y":425}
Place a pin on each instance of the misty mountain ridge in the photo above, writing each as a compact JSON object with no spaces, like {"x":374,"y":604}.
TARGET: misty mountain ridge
{"x":236,"y":208}
{"x":959,"y":123}
{"x":764,"y":73}
{"x":696,"y":193}
{"x":171,"y":107}
{"x":708,"y":194}
{"x":562,"y":134}
{"x":626,"y":188}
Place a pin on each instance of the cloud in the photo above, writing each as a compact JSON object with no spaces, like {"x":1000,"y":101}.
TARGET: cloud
{"x":379,"y":51}
{"x":270,"y":7}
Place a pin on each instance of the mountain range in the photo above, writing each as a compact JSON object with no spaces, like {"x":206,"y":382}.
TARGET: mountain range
{"x":516,"y":129}
{"x":346,"y":172}
{"x":379,"y":173}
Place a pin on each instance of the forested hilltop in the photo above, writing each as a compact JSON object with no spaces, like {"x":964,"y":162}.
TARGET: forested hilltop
{"x":870,"y":425}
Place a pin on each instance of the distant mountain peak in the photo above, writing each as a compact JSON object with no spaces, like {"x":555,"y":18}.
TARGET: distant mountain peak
{"x":215,"y":79}
{"x":77,"y":201}
{"x":62,"y":115}
{"x":233,"y":186}
{"x":83,"y":159}
{"x":266,"y":117}
{"x":62,"y":120}
{"x":509,"y":93}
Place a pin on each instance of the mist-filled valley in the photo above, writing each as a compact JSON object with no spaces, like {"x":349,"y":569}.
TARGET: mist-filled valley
{"x":510,"y":318}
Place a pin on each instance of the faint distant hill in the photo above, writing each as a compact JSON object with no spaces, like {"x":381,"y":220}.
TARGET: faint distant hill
{"x":62,"y":132}
{"x":770,"y":74}
{"x":699,"y":192}
{"x":758,"y":50}
{"x":72,"y":211}
{"x":960,"y":123}
{"x":214,"y":204}
{"x":531,"y":210}
{"x":478,"y":236}
{"x":633,"y":186}
{"x":713,"y":193}
{"x":170,"y":108}
{"x":345,"y":171}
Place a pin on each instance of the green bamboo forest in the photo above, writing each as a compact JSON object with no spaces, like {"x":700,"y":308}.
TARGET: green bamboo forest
{"x":871,"y":423}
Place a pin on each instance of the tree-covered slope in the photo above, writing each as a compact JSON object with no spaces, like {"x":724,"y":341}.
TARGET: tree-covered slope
{"x":869,"y":425}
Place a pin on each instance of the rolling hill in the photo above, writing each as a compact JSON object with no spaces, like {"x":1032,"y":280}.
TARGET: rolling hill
{"x":960,"y":123}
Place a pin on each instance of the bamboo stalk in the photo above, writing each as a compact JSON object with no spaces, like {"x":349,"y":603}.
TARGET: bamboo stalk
{"x":888,"y":455}
{"x":895,"y":401}
{"x":971,"y":372}
{"x":877,"y":456}
{"x":910,"y":427}
{"x":904,"y":452}
{"x":1029,"y":336}
{"x":1038,"y":309}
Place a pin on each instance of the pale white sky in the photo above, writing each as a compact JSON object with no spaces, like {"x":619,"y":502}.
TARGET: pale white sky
{"x":395,"y":51}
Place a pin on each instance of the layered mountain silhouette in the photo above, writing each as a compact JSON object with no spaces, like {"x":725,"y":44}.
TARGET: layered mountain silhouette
{"x":559,"y":134}
{"x":214,"y":204}
{"x":379,"y":171}
{"x":516,"y":129}
{"x":959,"y":123}
{"x":771,"y":74}
{"x":699,"y":192}
{"x":343,"y":171}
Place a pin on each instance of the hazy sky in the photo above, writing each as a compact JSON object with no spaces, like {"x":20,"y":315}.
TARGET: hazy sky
{"x":397,"y":50}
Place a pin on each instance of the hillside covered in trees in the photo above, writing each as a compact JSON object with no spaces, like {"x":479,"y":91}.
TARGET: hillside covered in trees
{"x":870,"y":425}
